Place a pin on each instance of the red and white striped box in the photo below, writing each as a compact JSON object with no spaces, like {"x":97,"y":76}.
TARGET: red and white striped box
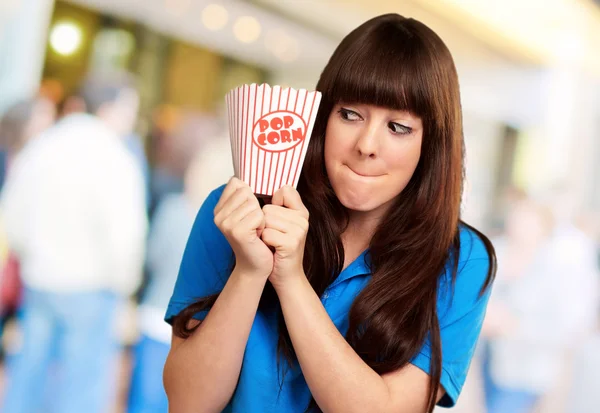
{"x":270,"y":128}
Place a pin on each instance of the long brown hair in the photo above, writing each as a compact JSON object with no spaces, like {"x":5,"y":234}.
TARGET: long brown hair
{"x":394,"y":62}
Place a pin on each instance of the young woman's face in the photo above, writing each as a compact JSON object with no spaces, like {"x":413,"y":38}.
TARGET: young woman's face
{"x":370,"y":155}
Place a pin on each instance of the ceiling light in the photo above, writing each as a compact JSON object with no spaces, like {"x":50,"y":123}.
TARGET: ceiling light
{"x":65,"y":38}
{"x":246,"y":29}
{"x":214,"y":17}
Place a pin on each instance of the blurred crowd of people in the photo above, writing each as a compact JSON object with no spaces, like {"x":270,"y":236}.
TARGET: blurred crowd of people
{"x":88,"y":226}
{"x":538,"y":349}
{"x":92,"y":216}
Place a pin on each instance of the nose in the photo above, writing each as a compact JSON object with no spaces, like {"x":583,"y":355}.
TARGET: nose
{"x":367,"y":143}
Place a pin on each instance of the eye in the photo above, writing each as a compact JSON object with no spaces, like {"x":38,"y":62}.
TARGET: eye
{"x":349,"y":115}
{"x":399,"y":129}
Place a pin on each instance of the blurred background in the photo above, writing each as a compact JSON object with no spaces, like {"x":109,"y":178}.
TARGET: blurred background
{"x":530,"y":83}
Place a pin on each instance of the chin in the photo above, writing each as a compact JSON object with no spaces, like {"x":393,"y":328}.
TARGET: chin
{"x":357,"y":201}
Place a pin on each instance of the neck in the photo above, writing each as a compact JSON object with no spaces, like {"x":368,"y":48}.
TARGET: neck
{"x":361,"y":228}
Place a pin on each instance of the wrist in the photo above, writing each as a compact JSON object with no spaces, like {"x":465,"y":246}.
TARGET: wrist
{"x":249,"y":277}
{"x":290,"y":283}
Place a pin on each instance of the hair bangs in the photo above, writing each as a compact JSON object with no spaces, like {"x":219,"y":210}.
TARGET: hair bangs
{"x":382,"y":73}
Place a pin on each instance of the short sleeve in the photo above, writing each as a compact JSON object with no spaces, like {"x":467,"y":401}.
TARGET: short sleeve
{"x":461,"y":311}
{"x":206,"y":261}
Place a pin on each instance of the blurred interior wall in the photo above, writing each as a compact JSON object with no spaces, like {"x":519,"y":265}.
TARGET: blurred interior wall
{"x":23,"y":29}
{"x":561,"y":147}
{"x":69,"y":69}
{"x":192,"y":76}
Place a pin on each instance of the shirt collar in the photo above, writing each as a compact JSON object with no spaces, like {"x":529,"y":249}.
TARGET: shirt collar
{"x":360,"y":266}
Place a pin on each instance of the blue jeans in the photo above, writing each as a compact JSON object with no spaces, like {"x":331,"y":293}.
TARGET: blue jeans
{"x":67,"y":360}
{"x":504,"y":400}
{"x":147,"y":394}
{"x":500,"y":399}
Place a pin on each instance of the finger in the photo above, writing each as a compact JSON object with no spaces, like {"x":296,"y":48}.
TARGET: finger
{"x":235,"y":218}
{"x":241,"y":196}
{"x":229,"y":190}
{"x":273,"y":238}
{"x":279,"y":223}
{"x":287,"y":215}
{"x":289,"y":197}
{"x":255,"y":219}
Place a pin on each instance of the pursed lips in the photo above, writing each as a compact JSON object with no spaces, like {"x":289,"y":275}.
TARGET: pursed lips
{"x":362,"y":174}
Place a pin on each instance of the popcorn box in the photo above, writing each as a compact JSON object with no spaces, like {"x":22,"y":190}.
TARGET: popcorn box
{"x":270,"y":129}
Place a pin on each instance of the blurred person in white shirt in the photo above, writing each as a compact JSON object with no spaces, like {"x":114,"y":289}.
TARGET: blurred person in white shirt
{"x":171,"y":225}
{"x":584,"y":240}
{"x":74,"y":213}
{"x":543,"y":305}
{"x":524,"y":329}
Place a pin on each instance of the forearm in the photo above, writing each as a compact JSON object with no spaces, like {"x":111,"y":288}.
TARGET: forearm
{"x":338,"y":378}
{"x":201,"y":373}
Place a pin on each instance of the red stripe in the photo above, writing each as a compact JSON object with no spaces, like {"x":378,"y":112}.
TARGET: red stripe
{"x":242,"y":148}
{"x":279,"y":154}
{"x":294,"y":154}
{"x":298,"y":166}
{"x":244,"y":113}
{"x":231,"y":131}
{"x":251,"y":137}
{"x":269,"y":190}
{"x":287,"y":152}
{"x":238,"y":132}
{"x":241,"y":131}
{"x":265,"y":180}
{"x":238,"y":108}
{"x":234,"y":112}
{"x":233,"y":126}
{"x":258,"y":153}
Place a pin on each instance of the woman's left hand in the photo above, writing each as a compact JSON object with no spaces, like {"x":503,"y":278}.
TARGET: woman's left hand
{"x":286,"y":226}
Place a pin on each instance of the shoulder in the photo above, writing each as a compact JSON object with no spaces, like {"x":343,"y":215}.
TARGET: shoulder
{"x":472,"y":245}
{"x":206,"y":262}
{"x":29,"y":160}
{"x":204,"y":231}
{"x":475,"y":255}
{"x":36,"y":146}
{"x":209,"y":204}
{"x":461,"y":307}
{"x":465,"y":289}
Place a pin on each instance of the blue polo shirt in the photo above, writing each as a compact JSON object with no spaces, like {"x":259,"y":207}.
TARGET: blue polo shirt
{"x":204,"y":271}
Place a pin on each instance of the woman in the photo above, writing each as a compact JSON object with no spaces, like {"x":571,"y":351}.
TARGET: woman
{"x":375,"y":302}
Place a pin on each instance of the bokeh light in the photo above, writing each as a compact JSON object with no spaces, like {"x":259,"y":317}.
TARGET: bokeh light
{"x":66,"y":38}
{"x":214,"y":17}
{"x":246,"y":29}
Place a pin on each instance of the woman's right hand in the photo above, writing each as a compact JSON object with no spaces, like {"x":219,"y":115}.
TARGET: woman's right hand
{"x":240,"y":218}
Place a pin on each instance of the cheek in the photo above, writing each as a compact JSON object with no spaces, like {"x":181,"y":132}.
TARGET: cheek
{"x":403,"y":159}
{"x":334,"y":146}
